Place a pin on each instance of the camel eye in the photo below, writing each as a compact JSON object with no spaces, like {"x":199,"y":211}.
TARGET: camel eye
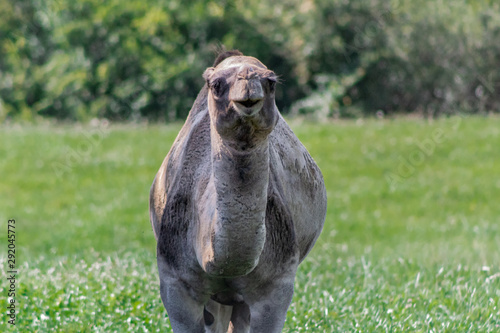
{"x":218,"y":87}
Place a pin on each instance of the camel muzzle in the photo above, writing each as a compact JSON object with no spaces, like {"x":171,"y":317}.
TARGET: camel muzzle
{"x":247,"y":96}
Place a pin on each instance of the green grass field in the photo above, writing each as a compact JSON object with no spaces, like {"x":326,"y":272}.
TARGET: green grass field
{"x":411,"y":241}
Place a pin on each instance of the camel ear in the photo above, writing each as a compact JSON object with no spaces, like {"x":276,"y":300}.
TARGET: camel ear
{"x":208,"y":73}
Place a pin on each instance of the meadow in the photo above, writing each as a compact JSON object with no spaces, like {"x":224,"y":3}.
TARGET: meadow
{"x":410,"y":244}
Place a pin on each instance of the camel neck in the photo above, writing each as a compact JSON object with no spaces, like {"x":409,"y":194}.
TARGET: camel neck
{"x":238,"y":186}
{"x":243,"y":172}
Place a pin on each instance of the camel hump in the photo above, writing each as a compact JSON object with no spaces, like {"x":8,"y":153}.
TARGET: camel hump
{"x":226,"y":54}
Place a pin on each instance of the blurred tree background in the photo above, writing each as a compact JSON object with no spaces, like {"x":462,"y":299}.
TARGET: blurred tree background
{"x":143,"y":59}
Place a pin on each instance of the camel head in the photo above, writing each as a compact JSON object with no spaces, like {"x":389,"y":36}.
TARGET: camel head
{"x":241,"y":99}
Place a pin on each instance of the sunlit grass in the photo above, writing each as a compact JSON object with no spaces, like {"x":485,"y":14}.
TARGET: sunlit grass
{"x":410,"y":241}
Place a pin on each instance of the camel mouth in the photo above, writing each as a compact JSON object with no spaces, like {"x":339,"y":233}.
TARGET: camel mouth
{"x":248,"y":107}
{"x":248,"y":103}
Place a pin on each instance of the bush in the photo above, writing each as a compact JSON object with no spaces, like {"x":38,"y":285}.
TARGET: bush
{"x":134,"y":59}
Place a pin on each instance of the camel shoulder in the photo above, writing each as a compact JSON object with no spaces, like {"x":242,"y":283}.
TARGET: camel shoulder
{"x":173,"y":181}
{"x":295,"y":162}
{"x":299,"y":182}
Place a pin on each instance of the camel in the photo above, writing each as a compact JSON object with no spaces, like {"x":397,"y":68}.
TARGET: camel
{"x":236,"y":205}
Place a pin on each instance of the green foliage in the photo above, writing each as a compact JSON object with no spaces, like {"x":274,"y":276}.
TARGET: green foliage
{"x":410,"y":241}
{"x":413,"y":56}
{"x":122,"y":60}
{"x":143,"y":59}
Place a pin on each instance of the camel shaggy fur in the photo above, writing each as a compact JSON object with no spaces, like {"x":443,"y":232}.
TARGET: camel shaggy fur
{"x":236,"y":205}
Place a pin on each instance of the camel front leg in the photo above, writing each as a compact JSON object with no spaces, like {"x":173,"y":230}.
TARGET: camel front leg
{"x":184,"y":307}
{"x":240,"y":319}
{"x":184,"y":312}
{"x":268,"y":313}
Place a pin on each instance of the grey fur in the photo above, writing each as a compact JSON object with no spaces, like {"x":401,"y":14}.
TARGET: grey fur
{"x":236,"y":205}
